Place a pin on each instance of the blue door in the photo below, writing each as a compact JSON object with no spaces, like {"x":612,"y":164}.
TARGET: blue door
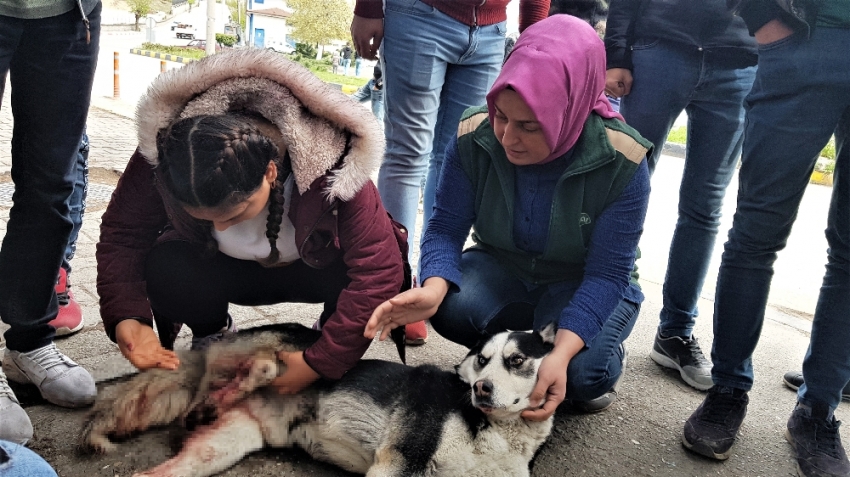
{"x":260,"y":38}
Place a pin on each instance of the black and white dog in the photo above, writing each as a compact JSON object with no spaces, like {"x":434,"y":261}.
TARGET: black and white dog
{"x":380,"y":419}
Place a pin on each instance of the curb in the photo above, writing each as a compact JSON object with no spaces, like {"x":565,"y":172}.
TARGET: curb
{"x":161,"y":56}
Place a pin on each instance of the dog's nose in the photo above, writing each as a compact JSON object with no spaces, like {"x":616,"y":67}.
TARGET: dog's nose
{"x":483,"y":388}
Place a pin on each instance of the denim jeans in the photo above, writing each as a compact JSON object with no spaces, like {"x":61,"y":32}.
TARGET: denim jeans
{"x":492,"y":300}
{"x":77,"y":202}
{"x":51,"y":71}
{"x":710,"y":87}
{"x":346,"y":62}
{"x":434,"y":68}
{"x":801,"y":96}
{"x":18,"y":461}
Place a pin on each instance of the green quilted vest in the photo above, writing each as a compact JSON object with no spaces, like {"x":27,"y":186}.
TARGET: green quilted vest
{"x":606,"y":157}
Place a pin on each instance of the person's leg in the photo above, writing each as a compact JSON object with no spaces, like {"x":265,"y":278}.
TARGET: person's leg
{"x":378,"y":104}
{"x":715,"y":135}
{"x":51,"y":75}
{"x":490,"y":300}
{"x":77,"y":202}
{"x":18,"y":461}
{"x":792,"y":111}
{"x":826,"y":366}
{"x":466,"y":85}
{"x":419,"y":41}
{"x":183,"y":286}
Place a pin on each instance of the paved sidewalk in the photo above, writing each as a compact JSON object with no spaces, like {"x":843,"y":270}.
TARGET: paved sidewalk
{"x":638,"y":436}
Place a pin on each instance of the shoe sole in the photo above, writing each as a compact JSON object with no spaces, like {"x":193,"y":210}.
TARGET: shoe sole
{"x":65,"y":331}
{"x":415,"y":341}
{"x":666,"y":362}
{"x":705,"y":451}
{"x":791,"y":442}
{"x":844,"y":397}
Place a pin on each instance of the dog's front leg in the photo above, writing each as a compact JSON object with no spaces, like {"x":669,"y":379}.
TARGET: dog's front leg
{"x":213,"y":448}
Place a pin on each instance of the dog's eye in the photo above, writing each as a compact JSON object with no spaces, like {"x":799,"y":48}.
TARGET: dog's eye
{"x":516,"y":361}
{"x":482,"y":360}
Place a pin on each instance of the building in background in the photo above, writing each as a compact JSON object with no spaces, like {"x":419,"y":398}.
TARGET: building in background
{"x":267,"y":26}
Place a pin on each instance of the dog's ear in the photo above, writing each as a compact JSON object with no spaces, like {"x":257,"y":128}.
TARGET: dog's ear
{"x":548,"y":332}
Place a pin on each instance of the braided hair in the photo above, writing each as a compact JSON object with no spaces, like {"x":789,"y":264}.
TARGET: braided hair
{"x":221,"y":161}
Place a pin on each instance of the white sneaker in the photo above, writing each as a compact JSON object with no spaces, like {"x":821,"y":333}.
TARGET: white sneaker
{"x":59,"y":379}
{"x":15,"y":425}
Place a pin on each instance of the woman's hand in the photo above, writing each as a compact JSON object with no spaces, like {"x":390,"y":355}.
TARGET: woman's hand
{"x":552,"y":377}
{"x":367,"y":34}
{"x":298,"y":374}
{"x":414,"y":305}
{"x":618,"y":82}
{"x":140,"y":345}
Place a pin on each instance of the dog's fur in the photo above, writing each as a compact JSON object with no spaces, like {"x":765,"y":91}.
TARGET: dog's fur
{"x":381,"y":418}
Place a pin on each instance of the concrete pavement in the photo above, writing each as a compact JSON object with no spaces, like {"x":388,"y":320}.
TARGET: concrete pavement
{"x":638,"y":436}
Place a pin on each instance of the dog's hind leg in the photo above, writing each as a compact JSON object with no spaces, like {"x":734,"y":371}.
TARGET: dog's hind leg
{"x":213,"y":448}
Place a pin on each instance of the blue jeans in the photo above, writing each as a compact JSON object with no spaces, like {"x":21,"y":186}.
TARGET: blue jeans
{"x":357,"y":63}
{"x":346,"y":62}
{"x":77,"y":202}
{"x":18,"y":461}
{"x":434,"y":68}
{"x":711,"y":87}
{"x":51,"y":70}
{"x":492,"y":300}
{"x":800,"y":97}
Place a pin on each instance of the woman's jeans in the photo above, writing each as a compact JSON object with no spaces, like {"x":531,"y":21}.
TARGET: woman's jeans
{"x":185,"y":287}
{"x":492,"y":300}
{"x":710,"y":86}
{"x":434,"y":68}
{"x":18,"y":461}
{"x":77,"y":202}
{"x":801,"y":96}
{"x":51,"y":72}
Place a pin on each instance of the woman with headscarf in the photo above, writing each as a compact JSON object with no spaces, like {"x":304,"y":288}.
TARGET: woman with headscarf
{"x":555,"y":188}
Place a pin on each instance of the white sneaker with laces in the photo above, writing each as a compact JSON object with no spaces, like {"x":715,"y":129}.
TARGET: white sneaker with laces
{"x":15,"y":425}
{"x":59,"y":379}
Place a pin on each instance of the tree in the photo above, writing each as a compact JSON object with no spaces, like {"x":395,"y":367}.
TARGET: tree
{"x":139,"y":8}
{"x":320,"y":22}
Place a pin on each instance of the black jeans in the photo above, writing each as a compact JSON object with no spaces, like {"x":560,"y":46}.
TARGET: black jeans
{"x":51,"y":68}
{"x":185,"y":287}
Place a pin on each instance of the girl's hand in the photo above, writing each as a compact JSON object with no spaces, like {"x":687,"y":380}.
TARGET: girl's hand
{"x":551,"y":388}
{"x":414,"y":305}
{"x":140,"y":345}
{"x":298,"y":374}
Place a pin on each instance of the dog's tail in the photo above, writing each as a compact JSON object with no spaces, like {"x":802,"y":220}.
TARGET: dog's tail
{"x":153,"y":398}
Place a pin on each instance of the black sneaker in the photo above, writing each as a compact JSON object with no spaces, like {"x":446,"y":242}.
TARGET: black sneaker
{"x":201,"y":343}
{"x":713,"y":427}
{"x":604,"y":401}
{"x":685,"y":355}
{"x":794,"y":379}
{"x":814,"y":435}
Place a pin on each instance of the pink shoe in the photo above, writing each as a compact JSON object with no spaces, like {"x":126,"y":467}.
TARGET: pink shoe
{"x":70,"y":317}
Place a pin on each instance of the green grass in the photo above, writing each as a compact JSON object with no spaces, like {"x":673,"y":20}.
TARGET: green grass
{"x":340,"y":79}
{"x":679,"y":135}
{"x":175,"y":50}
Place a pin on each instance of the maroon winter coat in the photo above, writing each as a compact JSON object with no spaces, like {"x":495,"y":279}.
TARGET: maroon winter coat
{"x":336,"y":209}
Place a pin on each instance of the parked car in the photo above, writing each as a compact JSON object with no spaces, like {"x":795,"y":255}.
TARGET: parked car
{"x":185,"y":30}
{"x":202,"y":45}
{"x":280,"y":47}
{"x":174,"y":25}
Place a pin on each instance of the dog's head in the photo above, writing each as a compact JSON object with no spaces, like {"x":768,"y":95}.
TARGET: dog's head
{"x":502,"y":370}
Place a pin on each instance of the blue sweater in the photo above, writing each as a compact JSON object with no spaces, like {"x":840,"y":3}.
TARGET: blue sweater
{"x":610,"y":257}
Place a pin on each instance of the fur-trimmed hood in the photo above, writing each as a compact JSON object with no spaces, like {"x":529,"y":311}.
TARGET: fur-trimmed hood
{"x":313,"y":117}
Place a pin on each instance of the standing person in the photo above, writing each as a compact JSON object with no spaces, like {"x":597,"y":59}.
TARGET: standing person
{"x":346,"y":58}
{"x":373,"y":91}
{"x":335,"y":62}
{"x":358,"y":61}
{"x":555,"y":188}
{"x":50,"y":50}
{"x":801,"y":96}
{"x":440,"y":57}
{"x":262,"y":187}
{"x":665,"y":57}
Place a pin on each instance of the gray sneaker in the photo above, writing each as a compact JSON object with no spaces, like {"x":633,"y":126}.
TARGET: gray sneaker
{"x":59,"y":379}
{"x":15,"y":425}
{"x":685,"y":356}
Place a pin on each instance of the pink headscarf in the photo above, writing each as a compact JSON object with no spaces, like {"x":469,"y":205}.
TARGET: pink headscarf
{"x":558,"y":68}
